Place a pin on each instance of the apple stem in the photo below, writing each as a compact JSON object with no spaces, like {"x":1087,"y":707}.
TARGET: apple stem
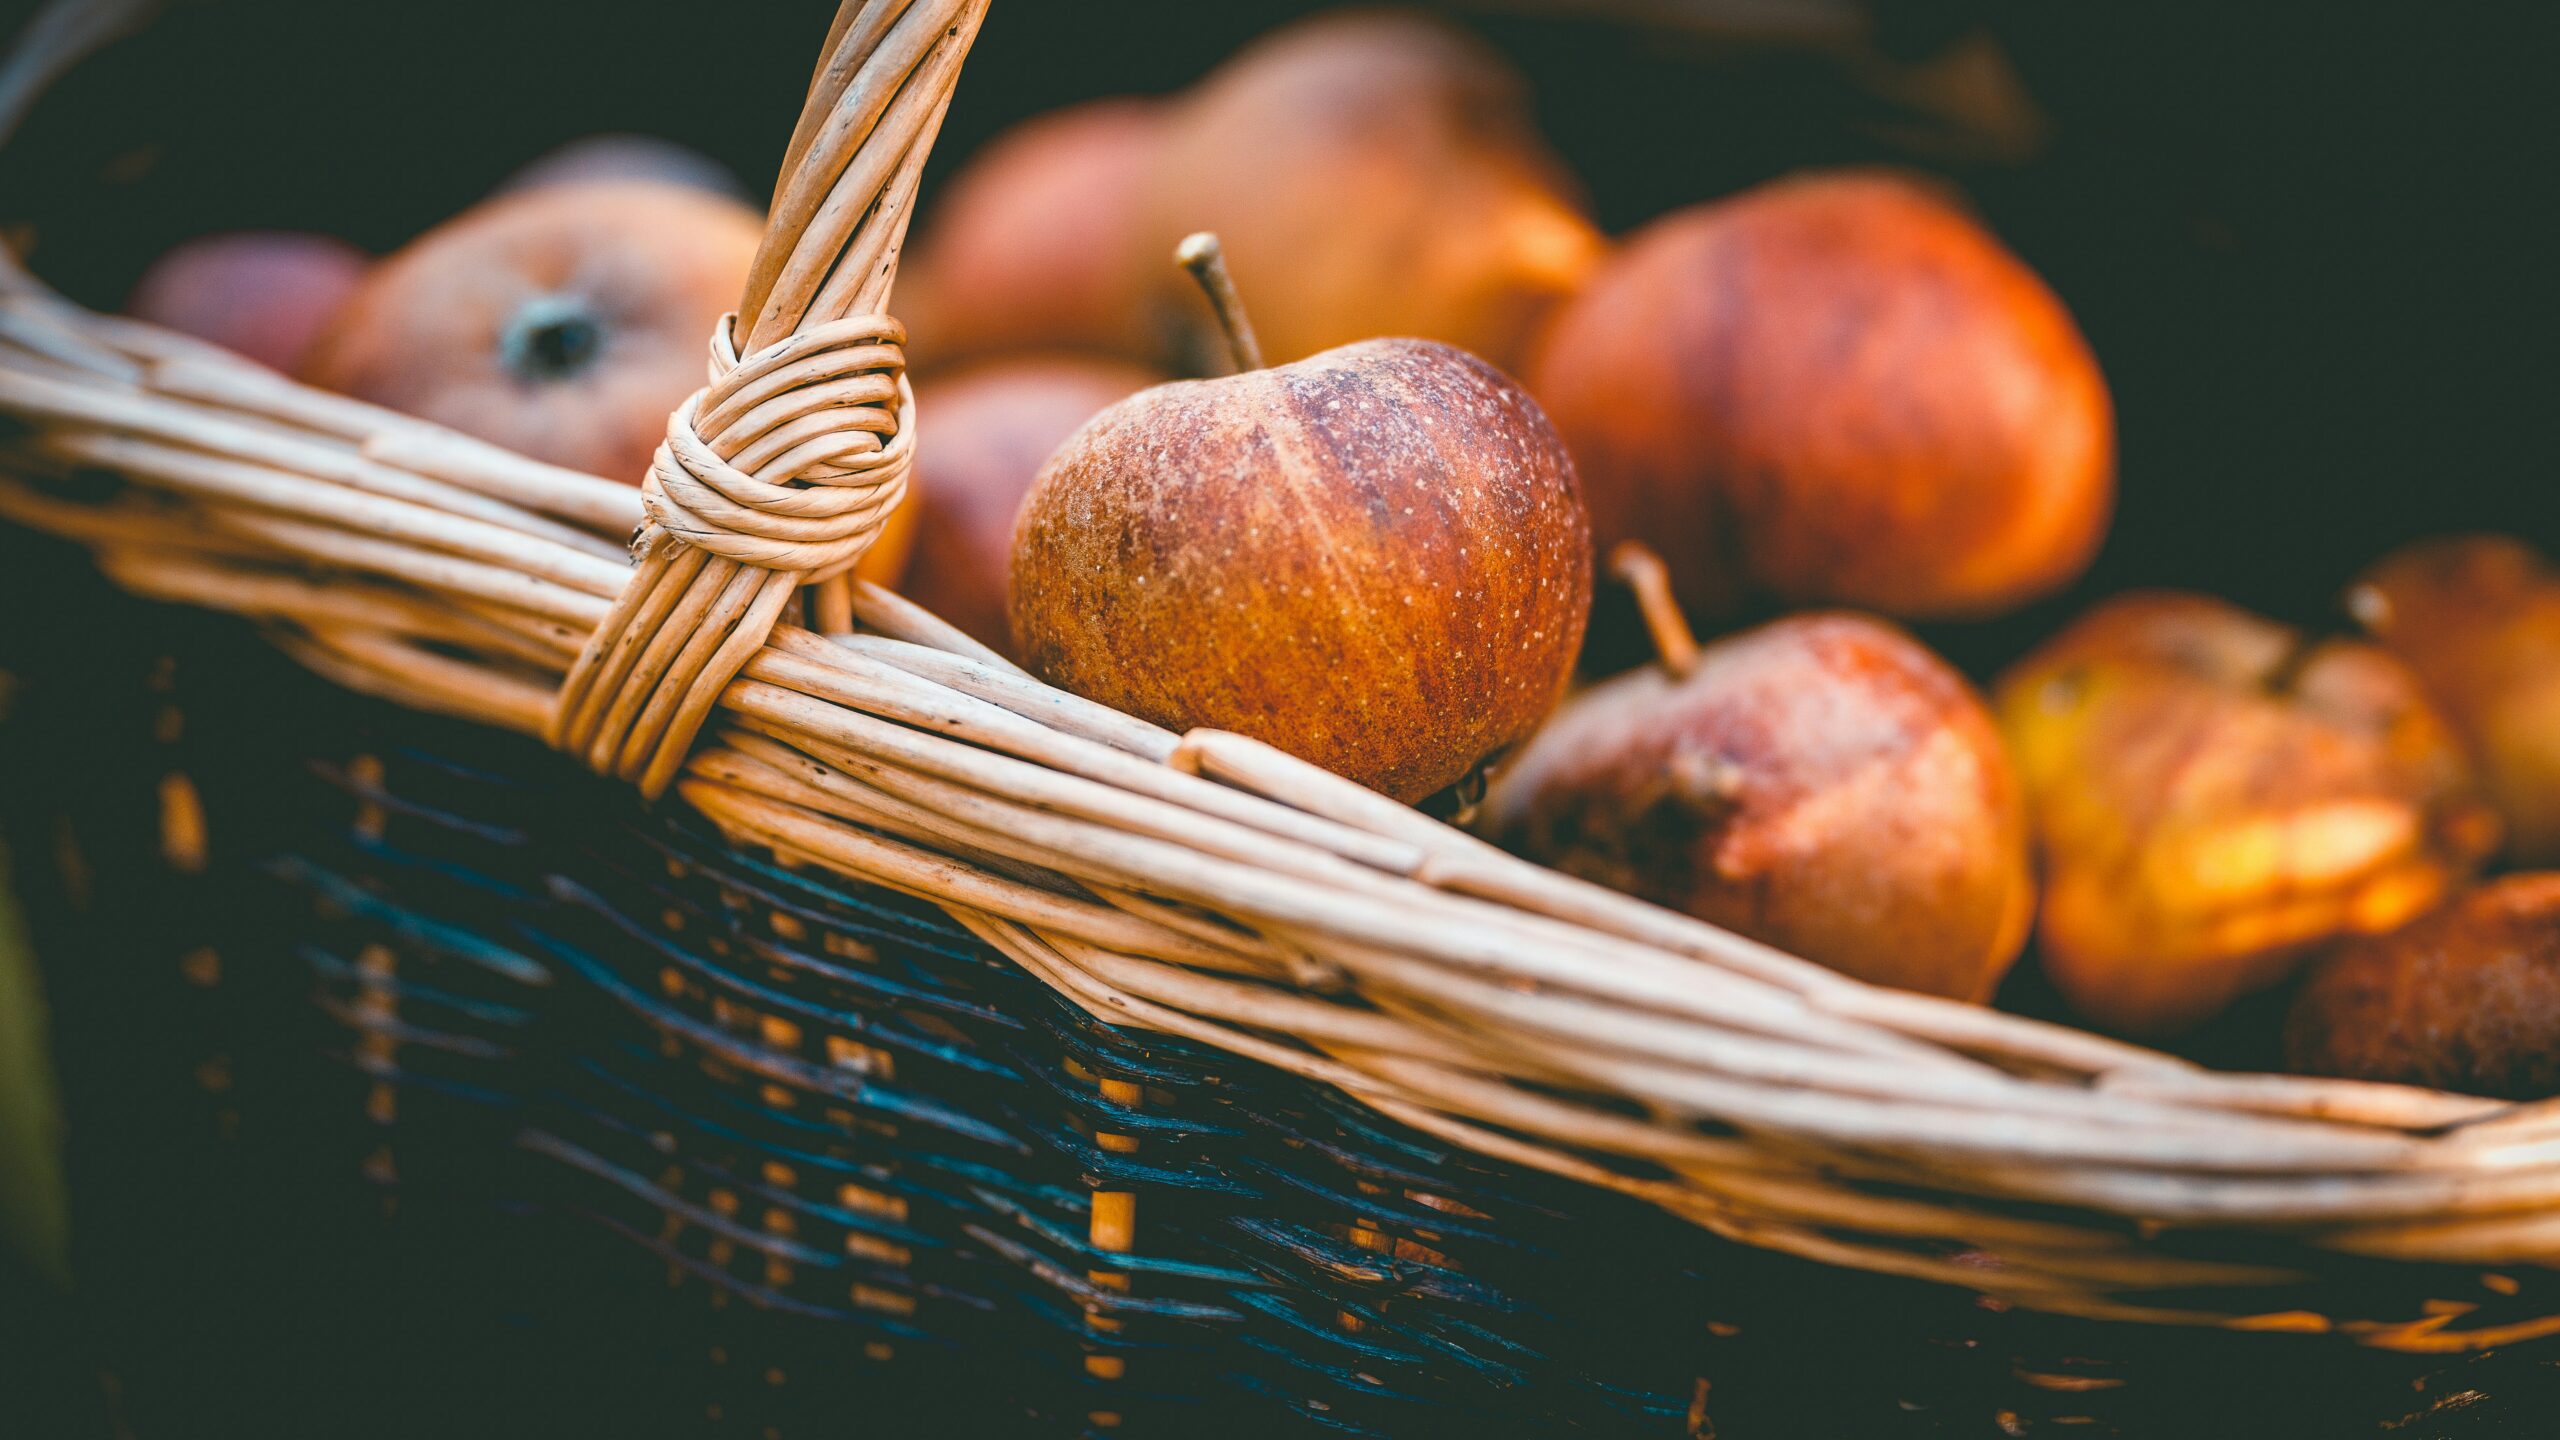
{"x":1642,"y":571}
{"x":1201,"y":254}
{"x":2297,"y":658}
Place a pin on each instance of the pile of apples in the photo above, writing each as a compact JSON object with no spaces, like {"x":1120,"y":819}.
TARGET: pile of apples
{"x":1430,"y":394}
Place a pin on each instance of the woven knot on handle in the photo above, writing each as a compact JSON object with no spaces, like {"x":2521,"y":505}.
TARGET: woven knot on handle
{"x":790,"y":459}
{"x":777,"y":473}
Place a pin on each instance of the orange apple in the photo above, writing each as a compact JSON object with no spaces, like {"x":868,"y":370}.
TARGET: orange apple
{"x":2478,"y":617}
{"x":593,"y":158}
{"x":1835,"y":389}
{"x":565,"y":322}
{"x":2214,"y":795}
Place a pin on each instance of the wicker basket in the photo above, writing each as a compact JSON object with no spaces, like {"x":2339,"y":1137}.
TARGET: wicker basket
{"x":958,"y":1024}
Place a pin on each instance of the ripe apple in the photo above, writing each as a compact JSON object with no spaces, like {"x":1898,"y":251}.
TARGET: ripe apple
{"x":1834,"y":389}
{"x":1823,"y":783}
{"x":564,"y":322}
{"x":593,"y":158}
{"x":2478,"y":617}
{"x":1371,"y":174}
{"x":265,"y":294}
{"x":2214,"y":795}
{"x":994,"y":424}
{"x":1374,"y":558}
{"x":1035,"y":243}
{"x":2464,"y":998}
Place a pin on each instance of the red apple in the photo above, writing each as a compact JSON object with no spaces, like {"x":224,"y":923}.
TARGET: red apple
{"x":1374,"y":558}
{"x":263,"y":293}
{"x":624,"y":157}
{"x":2215,"y":795}
{"x":564,"y":322}
{"x":1823,"y":783}
{"x":1835,"y":389}
{"x":993,"y":426}
{"x":1035,"y":243}
{"x":1371,"y":173}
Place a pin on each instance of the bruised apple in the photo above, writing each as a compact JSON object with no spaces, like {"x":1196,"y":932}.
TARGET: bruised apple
{"x":1374,"y":558}
{"x":564,"y":322}
{"x":1371,"y":173}
{"x":265,"y":294}
{"x":2214,"y":795}
{"x":1822,"y":783}
{"x":2478,"y":617}
{"x":2464,"y":998}
{"x":1035,"y":244}
{"x":1834,"y":389}
{"x":994,"y":424}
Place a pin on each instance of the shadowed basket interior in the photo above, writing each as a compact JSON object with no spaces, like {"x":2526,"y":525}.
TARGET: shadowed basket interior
{"x":1203,"y":892}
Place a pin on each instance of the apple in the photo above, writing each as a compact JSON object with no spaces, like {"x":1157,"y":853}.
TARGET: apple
{"x":1370,"y":173}
{"x":1834,"y":389}
{"x":2464,"y":998}
{"x":1374,"y":558}
{"x":564,"y":322}
{"x":1035,"y":243}
{"x":994,"y":424}
{"x":265,"y":294}
{"x":2215,"y":795}
{"x":2478,"y":617}
{"x":1823,"y":783}
{"x":624,"y":157}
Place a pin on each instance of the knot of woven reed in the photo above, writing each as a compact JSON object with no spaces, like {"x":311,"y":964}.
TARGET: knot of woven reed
{"x":792,"y":458}
{"x":778,"y":472}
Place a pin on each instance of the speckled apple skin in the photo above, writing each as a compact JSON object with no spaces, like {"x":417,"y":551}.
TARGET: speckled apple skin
{"x":1375,"y":558}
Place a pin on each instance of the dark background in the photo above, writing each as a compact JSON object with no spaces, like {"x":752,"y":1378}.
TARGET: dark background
{"x":2309,"y":243}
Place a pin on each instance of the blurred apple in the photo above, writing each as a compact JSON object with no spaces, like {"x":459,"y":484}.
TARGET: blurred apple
{"x":1823,"y":783}
{"x":2478,"y":617}
{"x":2464,"y":998}
{"x":1834,"y":389}
{"x":1371,"y":173}
{"x":2214,"y":795}
{"x":1035,"y":243}
{"x":994,"y":424}
{"x":265,"y":294}
{"x":624,"y":157}
{"x":564,"y":322}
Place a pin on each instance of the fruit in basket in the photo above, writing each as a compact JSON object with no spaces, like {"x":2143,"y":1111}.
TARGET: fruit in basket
{"x":2464,"y":998}
{"x":263,"y":293}
{"x":1823,"y":783}
{"x":1035,"y":243}
{"x":563,"y":322}
{"x":994,"y":424}
{"x":2478,"y":617}
{"x":1374,"y":558}
{"x":1370,"y":174}
{"x":616,"y":157}
{"x":1834,"y":389}
{"x":2214,"y":795}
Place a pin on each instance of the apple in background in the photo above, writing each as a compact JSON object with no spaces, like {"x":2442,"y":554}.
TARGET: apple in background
{"x":624,"y":157}
{"x":1822,"y":783}
{"x":993,"y":426}
{"x":1370,"y":174}
{"x":1374,"y":558}
{"x":2214,"y":795}
{"x":2478,"y":617}
{"x":564,"y":322}
{"x":2464,"y":998}
{"x":1034,"y":245}
{"x":1834,"y":389}
{"x":265,"y":294}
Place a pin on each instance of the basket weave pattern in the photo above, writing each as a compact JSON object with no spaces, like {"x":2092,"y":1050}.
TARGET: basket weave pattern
{"x":1203,"y":886}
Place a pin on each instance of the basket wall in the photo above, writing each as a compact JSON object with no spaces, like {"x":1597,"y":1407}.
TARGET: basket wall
{"x":441,"y":1085}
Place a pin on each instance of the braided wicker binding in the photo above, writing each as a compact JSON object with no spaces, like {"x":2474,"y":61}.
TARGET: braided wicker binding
{"x":1206,"y":885}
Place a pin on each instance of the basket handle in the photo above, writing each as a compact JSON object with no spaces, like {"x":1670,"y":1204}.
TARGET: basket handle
{"x":780,"y":471}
